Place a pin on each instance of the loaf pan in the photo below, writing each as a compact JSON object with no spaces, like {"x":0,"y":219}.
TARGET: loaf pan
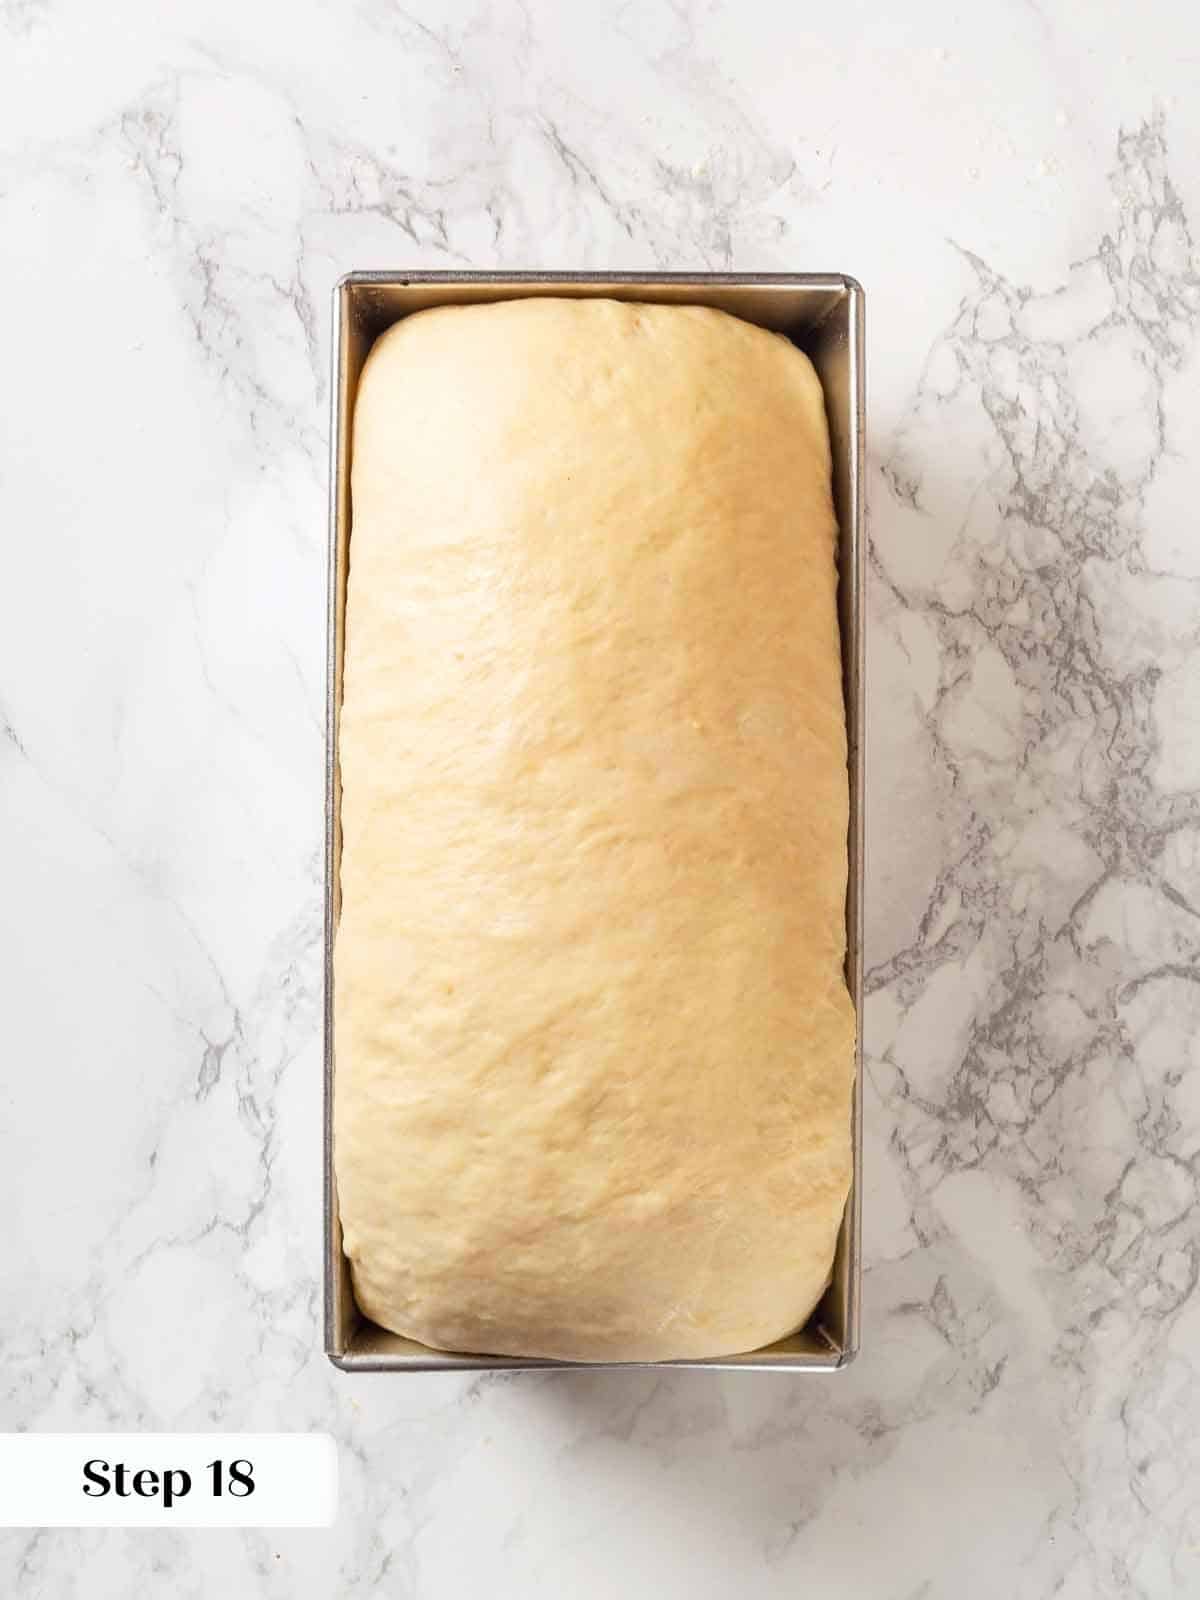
{"x":823,"y":314}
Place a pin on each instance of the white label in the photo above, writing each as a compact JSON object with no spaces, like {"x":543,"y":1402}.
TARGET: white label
{"x":165,"y":1480}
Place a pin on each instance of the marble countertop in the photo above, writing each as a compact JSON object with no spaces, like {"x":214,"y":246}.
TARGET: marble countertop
{"x":1018,"y":187}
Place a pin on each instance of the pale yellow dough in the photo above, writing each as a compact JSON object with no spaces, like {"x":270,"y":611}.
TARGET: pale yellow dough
{"x":593,"y":1044}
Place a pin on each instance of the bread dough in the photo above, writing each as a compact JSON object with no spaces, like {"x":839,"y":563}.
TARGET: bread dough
{"x":594,"y":1051}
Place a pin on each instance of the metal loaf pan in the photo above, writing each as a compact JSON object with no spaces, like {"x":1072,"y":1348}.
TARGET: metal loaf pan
{"x":823,"y":314}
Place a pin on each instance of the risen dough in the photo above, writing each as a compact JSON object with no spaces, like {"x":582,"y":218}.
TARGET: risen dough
{"x":594,"y":1049}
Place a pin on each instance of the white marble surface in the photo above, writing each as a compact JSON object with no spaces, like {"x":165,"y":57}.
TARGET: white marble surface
{"x":1018,"y":186}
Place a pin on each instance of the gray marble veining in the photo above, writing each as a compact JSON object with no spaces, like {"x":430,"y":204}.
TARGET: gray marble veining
{"x":1019,"y":188}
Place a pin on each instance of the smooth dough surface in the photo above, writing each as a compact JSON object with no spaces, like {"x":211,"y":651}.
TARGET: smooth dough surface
{"x":593,"y":1044}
